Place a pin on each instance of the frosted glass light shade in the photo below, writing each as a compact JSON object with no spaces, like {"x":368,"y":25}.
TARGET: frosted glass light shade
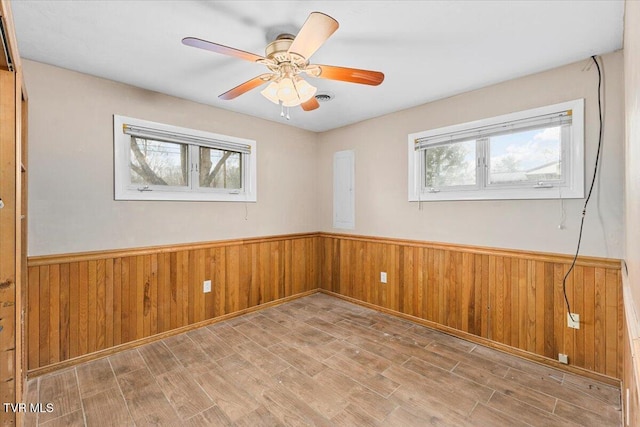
{"x":271,"y":92}
{"x":305,"y":90}
{"x":290,"y":91}
{"x":287,"y":91}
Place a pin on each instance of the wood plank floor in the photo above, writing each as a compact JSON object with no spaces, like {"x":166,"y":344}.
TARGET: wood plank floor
{"x":320,"y":361}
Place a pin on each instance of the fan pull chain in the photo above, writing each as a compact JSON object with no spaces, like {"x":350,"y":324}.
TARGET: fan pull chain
{"x":282,"y":113}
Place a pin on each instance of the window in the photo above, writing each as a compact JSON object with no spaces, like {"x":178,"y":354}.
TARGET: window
{"x":533,"y":154}
{"x":154,"y":161}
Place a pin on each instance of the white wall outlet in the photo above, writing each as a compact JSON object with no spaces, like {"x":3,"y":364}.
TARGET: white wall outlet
{"x":563,"y":358}
{"x":573,"y":320}
{"x":383,"y":277}
{"x":206,"y":286}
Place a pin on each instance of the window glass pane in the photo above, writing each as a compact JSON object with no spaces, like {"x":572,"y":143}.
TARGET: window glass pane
{"x":220,"y":168}
{"x":451,"y":165}
{"x":529,"y":156}
{"x":159,"y":163}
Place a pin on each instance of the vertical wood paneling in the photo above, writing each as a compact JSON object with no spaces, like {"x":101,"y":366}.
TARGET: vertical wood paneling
{"x":79,"y":307}
{"x":531,"y":307}
{"x":299,"y":265}
{"x":139,"y":297}
{"x":54,"y":313}
{"x":131,"y":297}
{"x":98,"y":303}
{"x":549,"y":329}
{"x":232,"y":273}
{"x":219,"y":278}
{"x":117,"y":301}
{"x":101,"y":304}
{"x":468,"y":294}
{"x":599,"y":320}
{"x":33,"y":317}
{"x":263,"y":274}
{"x":569,"y":334}
{"x":344,"y":284}
{"x":359,"y":258}
{"x":64,"y":311}
{"x":485,"y":317}
{"x":92,"y":299}
{"x":146,"y":296}
{"x":419,"y":277}
{"x":559,"y":312}
{"x":74,"y":309}
{"x":521,"y":309}
{"x":611,"y":322}
{"x":510,"y":299}
{"x":44,"y":315}
{"x":191,"y":293}
{"x":589,"y":318}
{"x":480,"y":309}
{"x":208,"y":274}
{"x":163,"y":306}
{"x":173,"y":290}
{"x":125,"y":312}
{"x":514,"y":317}
{"x":109,"y":306}
{"x":578,"y":307}
{"x":183,"y":272}
{"x":405,"y":287}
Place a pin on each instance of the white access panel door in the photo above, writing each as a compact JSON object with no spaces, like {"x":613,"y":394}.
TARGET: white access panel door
{"x":344,"y":204}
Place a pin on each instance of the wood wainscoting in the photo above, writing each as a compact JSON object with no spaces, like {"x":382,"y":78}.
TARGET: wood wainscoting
{"x":82,"y":305}
{"x":79,"y":304}
{"x":512,"y":299}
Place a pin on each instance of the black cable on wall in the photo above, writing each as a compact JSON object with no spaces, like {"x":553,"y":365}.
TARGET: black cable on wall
{"x":593,"y":181}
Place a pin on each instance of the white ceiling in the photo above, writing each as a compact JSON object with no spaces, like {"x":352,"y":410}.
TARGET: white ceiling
{"x":427,"y":49}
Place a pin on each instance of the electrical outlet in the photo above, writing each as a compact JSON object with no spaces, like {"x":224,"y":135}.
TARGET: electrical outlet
{"x":383,"y":277}
{"x":206,"y":286}
{"x":573,"y":320}
{"x":563,"y":358}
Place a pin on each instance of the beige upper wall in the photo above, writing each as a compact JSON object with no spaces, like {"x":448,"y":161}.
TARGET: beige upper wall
{"x":380,"y":148}
{"x":71,"y":170}
{"x":71,"y":206}
{"x":632,"y":146}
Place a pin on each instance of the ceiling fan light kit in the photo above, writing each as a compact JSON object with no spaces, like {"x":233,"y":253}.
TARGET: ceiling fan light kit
{"x":289,"y":91}
{"x":286,"y":58}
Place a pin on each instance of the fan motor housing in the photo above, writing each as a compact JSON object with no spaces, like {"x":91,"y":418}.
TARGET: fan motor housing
{"x":277,"y":50}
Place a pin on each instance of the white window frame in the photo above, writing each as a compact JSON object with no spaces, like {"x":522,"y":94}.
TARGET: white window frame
{"x":572,"y":158}
{"x":125,"y":190}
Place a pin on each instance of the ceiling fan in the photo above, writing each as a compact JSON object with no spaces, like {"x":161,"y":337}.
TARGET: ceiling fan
{"x":286,"y":58}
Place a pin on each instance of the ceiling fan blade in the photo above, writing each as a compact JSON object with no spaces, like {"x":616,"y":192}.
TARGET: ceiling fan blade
{"x":316,"y":30}
{"x":311,"y":104}
{"x":351,"y":75}
{"x":246,"y":86}
{"x":218,"y":48}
